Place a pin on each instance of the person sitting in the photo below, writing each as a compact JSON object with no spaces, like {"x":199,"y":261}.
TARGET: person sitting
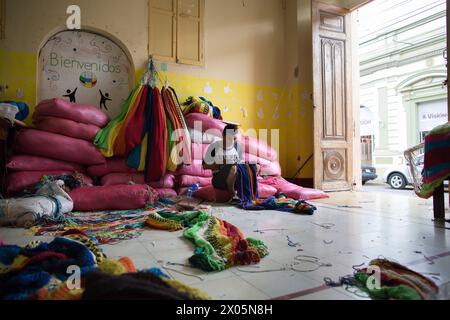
{"x":221,"y":157}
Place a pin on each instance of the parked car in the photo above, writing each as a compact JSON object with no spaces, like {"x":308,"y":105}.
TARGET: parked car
{"x":368,"y":173}
{"x":399,"y":176}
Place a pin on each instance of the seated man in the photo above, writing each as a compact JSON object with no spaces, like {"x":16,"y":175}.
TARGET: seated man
{"x":221,"y":157}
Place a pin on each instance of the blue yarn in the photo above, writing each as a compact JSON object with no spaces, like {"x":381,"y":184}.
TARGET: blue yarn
{"x":8,"y":253}
{"x":157,"y":272}
{"x":24,"y":110}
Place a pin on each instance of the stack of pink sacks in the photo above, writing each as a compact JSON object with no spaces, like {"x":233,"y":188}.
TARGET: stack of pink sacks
{"x":115,"y":171}
{"x":205,"y":130}
{"x":61,"y":143}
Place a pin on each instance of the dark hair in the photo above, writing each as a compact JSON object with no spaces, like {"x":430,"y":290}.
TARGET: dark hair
{"x":230,"y":127}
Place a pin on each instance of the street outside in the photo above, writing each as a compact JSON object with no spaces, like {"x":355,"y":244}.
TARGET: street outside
{"x":379,"y":186}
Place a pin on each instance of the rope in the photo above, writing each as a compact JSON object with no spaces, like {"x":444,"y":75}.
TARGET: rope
{"x":183,"y":273}
{"x":292,"y":267}
{"x":325,"y":225}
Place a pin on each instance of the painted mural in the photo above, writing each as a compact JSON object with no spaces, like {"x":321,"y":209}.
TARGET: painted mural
{"x":85,"y":67}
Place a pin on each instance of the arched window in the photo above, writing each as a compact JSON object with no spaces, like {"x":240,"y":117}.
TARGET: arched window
{"x":85,"y":67}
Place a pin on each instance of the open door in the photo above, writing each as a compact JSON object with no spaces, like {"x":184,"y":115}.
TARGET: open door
{"x":333,"y":99}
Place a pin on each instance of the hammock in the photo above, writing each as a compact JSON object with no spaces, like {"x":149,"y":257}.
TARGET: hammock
{"x":436,"y":166}
{"x":143,"y":130}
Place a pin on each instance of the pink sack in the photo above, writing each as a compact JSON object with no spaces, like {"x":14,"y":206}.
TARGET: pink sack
{"x":257,"y":147}
{"x":119,"y":197}
{"x":205,"y":122}
{"x":291,"y":190}
{"x":167,"y":181}
{"x":268,"y":168}
{"x":67,"y":127}
{"x":211,"y":194}
{"x":23,"y":162}
{"x":21,"y":180}
{"x":265,"y":191}
{"x":194,"y":169}
{"x":56,"y":146}
{"x":187,"y":181}
{"x":198,"y":150}
{"x":112,"y":165}
{"x":181,"y":191}
{"x":166,"y":192}
{"x":77,"y":112}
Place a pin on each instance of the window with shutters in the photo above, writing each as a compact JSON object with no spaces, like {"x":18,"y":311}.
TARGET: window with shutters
{"x":2,"y":19}
{"x":176,"y":30}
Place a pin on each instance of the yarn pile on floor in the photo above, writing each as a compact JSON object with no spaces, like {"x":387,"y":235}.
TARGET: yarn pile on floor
{"x":281,"y":203}
{"x":219,"y":244}
{"x":397,"y":282}
{"x":41,"y":271}
{"x":106,"y":227}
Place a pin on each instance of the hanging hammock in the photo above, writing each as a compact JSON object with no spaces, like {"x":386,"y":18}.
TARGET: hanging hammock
{"x":143,"y":131}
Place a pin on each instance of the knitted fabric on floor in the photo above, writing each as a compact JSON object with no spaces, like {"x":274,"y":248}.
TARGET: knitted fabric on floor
{"x":105,"y":227}
{"x":281,"y":203}
{"x":38,"y":271}
{"x":219,"y":244}
{"x":397,"y":282}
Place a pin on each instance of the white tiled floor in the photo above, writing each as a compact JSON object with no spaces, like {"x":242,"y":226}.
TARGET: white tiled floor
{"x":389,"y":225}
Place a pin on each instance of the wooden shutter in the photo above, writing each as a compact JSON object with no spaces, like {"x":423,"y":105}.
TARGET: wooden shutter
{"x":162,"y":29}
{"x":190,"y":31}
{"x":2,"y":19}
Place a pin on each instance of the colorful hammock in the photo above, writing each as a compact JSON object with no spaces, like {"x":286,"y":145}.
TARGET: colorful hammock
{"x":397,"y":282}
{"x":106,"y":227}
{"x":219,"y":244}
{"x":246,"y":183}
{"x":178,"y":135}
{"x":436,"y":161}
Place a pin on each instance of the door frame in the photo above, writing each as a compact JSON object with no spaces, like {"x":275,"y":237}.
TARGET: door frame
{"x":346,"y":146}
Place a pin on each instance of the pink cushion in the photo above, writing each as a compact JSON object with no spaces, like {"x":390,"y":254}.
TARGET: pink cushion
{"x":187,"y":181}
{"x":291,"y":190}
{"x":194,"y":169}
{"x":56,"y":146}
{"x":61,"y":108}
{"x":23,"y":162}
{"x":265,"y":191}
{"x":20,"y":180}
{"x":205,"y":122}
{"x":66,"y":127}
{"x":268,"y":168}
{"x":112,"y":165}
{"x":167,"y":181}
{"x":118,"y":197}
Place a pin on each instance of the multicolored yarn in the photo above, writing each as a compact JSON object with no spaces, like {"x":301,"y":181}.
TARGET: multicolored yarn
{"x":39,"y":272}
{"x":397,"y":282}
{"x":246,"y":183}
{"x":197,"y":105}
{"x":102,"y":226}
{"x":436,"y":166}
{"x":281,"y":203}
{"x":219,"y":244}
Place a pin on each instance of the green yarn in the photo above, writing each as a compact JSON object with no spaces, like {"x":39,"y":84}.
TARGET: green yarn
{"x":400,"y":292}
{"x":259,"y":246}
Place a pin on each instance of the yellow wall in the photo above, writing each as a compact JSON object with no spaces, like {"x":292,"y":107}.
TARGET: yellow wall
{"x":251,"y":50}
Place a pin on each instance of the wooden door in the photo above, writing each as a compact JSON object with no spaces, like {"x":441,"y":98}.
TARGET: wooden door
{"x":333,"y":117}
